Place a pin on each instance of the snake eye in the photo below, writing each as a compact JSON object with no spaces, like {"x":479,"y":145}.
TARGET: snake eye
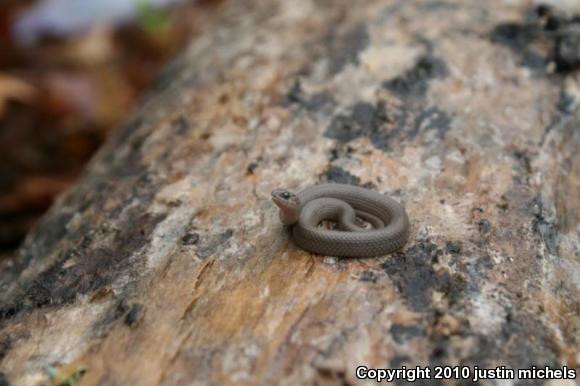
{"x":285,"y":195}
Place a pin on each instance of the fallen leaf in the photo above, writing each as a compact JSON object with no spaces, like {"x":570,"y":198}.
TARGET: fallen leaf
{"x":14,"y":89}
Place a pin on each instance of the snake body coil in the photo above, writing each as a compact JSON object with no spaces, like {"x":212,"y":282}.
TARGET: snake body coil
{"x":344,"y":205}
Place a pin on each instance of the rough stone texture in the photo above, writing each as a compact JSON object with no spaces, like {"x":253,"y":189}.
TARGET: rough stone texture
{"x":167,"y":264}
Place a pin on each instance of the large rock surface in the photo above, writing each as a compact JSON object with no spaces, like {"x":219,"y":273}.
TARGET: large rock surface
{"x":166,"y":263}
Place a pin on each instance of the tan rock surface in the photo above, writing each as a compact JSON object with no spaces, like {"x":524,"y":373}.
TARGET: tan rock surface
{"x":167,"y":264}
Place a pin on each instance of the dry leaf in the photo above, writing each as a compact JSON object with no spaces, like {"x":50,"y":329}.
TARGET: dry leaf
{"x":14,"y":89}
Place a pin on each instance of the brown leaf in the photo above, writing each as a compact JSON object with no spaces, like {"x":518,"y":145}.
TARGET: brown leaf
{"x":14,"y":89}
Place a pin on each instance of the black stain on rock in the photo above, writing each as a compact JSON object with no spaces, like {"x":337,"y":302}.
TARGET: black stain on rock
{"x":523,"y":166}
{"x":416,"y":279}
{"x":375,"y":122}
{"x":180,"y":125}
{"x":545,"y":24}
{"x":311,"y":103}
{"x":564,"y":30}
{"x":125,"y":311}
{"x":387,"y":126}
{"x":567,"y":52}
{"x":453,"y":247}
{"x":318,"y":102}
{"x":49,"y":232}
{"x":128,"y":163}
{"x":484,"y":225}
{"x":432,"y":118}
{"x":339,"y":175}
{"x":549,"y":18}
{"x":439,"y":352}
{"x":251,"y":168}
{"x":546,"y":230}
{"x":368,"y":276}
{"x":96,"y":268}
{"x":514,"y":35}
{"x":359,"y":122}
{"x":518,"y":38}
{"x":190,"y":239}
{"x":96,"y":250}
{"x":134,"y":314}
{"x":122,"y":309}
{"x":295,"y":94}
{"x":402,"y":333}
{"x":4,"y":380}
{"x":209,"y":245}
{"x":372,"y":186}
{"x":8,"y":311}
{"x":440,"y":335}
{"x":512,"y":344}
{"x":453,"y":285}
{"x":518,"y":326}
{"x":436,"y":5}
{"x":486,"y":347}
{"x":567,"y":103}
{"x":534,"y":61}
{"x":344,"y":49}
{"x":474,"y":270}
{"x":415,"y":82}
{"x":6,"y":343}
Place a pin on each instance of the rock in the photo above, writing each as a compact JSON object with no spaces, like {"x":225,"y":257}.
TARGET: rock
{"x":167,"y":264}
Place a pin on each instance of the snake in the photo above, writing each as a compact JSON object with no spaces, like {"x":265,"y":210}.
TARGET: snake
{"x":366,"y":223}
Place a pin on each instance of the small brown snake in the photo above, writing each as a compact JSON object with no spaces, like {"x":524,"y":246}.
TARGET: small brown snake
{"x":344,"y":205}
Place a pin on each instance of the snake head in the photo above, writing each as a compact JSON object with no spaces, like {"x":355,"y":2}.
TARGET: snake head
{"x":289,"y":205}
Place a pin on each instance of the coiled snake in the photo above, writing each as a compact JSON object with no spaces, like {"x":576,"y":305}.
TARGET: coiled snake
{"x":346,"y":206}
